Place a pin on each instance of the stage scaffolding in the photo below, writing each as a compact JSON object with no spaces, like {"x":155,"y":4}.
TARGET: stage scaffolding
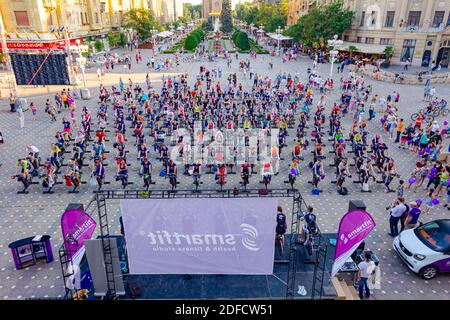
{"x":97,"y":207}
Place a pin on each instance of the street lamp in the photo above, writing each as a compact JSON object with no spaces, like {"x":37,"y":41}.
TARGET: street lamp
{"x":154,"y":40}
{"x":85,"y":94}
{"x":261,"y":32}
{"x":172,"y":28}
{"x":334,"y":43}
{"x":278,"y":31}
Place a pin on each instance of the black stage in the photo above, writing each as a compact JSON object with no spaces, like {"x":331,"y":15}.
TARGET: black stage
{"x":234,"y":286}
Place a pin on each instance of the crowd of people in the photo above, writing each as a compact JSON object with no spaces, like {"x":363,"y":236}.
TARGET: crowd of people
{"x":172,"y":124}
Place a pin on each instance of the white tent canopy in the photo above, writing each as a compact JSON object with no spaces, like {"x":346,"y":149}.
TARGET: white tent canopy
{"x":165,"y":34}
{"x":278,"y":37}
{"x":363,"y":47}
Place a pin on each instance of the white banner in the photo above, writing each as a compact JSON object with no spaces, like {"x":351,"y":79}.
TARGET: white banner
{"x":200,"y":236}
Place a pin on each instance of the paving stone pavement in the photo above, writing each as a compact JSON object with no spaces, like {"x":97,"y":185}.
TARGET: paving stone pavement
{"x":37,"y":213}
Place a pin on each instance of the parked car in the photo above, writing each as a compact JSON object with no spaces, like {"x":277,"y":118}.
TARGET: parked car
{"x":426,"y":249}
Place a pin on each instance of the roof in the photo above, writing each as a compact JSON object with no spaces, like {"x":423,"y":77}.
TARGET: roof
{"x":364,"y":47}
{"x":277,"y":36}
{"x":165,"y":34}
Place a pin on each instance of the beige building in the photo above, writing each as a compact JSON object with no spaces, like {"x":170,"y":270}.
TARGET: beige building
{"x":166,"y":10}
{"x":418,"y":30}
{"x":298,"y":8}
{"x":80,"y":17}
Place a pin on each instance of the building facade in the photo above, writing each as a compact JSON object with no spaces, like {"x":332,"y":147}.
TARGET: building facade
{"x":34,"y":19}
{"x":418,"y":30}
{"x":298,"y":8}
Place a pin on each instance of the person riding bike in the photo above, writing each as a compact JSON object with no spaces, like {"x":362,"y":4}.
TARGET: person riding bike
{"x":146,"y":172}
{"x":245,"y":173}
{"x":99,"y":172}
{"x":73,"y":173}
{"x":266,"y":173}
{"x":196,"y":173}
{"x":221,"y":174}
{"x":122,"y":172}
{"x":171,"y":170}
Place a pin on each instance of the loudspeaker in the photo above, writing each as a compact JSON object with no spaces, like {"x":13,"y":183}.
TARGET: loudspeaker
{"x":356,"y":205}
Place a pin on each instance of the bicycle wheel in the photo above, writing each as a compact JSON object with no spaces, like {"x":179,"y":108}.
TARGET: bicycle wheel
{"x":414,"y":116}
{"x":429,"y":118}
{"x":444,"y":112}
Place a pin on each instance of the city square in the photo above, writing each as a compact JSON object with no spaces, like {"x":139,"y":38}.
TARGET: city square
{"x":298,"y":72}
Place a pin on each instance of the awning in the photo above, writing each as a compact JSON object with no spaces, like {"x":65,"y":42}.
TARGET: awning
{"x":363,"y":47}
{"x":165,"y":34}
{"x":260,"y":31}
{"x":278,"y":37}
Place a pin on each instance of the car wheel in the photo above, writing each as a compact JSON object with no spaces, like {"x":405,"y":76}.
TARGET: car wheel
{"x":429,"y":272}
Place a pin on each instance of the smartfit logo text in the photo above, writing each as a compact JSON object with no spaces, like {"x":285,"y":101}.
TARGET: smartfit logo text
{"x":249,"y":235}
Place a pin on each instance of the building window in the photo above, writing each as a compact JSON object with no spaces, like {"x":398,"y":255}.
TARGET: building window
{"x":386,"y":41}
{"x":370,"y":40}
{"x":408,"y":50}
{"x":346,"y":38}
{"x":363,"y":17}
{"x":414,"y":18}
{"x":373,"y":18}
{"x":359,"y":40}
{"x":389,"y":19}
{"x":86,"y":18}
{"x":22,"y":18}
{"x":96,"y":17}
{"x":438,"y":18}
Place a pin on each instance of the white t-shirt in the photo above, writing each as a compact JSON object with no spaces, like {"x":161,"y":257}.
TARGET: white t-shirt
{"x":366,"y":268}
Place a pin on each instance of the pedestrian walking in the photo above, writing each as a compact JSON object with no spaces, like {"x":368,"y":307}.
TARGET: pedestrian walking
{"x":33,"y":110}
{"x":366,"y":268}
{"x":21,"y":116}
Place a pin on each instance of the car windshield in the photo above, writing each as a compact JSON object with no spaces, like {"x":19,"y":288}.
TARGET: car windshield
{"x":435,"y":234}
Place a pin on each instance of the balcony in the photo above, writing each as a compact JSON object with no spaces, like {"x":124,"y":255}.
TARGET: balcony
{"x":440,"y":28}
{"x":412,"y":29}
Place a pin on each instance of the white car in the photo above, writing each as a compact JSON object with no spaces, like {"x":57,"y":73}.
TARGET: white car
{"x":426,"y":249}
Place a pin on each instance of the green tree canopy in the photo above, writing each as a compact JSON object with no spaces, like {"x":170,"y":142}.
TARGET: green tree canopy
{"x":268,"y":15}
{"x":321,"y":23}
{"x":141,"y":20}
{"x":225,"y":17}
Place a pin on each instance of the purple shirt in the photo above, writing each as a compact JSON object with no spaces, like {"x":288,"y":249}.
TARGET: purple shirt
{"x":414,"y":213}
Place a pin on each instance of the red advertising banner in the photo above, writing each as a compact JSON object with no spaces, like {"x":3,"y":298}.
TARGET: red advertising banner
{"x":39,"y":45}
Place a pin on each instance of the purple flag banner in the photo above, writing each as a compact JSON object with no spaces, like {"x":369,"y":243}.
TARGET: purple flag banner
{"x":354,"y":227}
{"x":200,"y":236}
{"x":76,"y":226}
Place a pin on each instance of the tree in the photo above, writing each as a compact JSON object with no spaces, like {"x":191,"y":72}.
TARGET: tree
{"x":269,"y":15}
{"x":112,"y":40}
{"x":122,"y":39}
{"x":321,"y":23}
{"x":191,"y":42}
{"x":141,"y":20}
{"x":225,"y":17}
{"x":352,"y":49}
{"x":241,"y":40}
{"x":99,"y":46}
{"x":389,"y":53}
